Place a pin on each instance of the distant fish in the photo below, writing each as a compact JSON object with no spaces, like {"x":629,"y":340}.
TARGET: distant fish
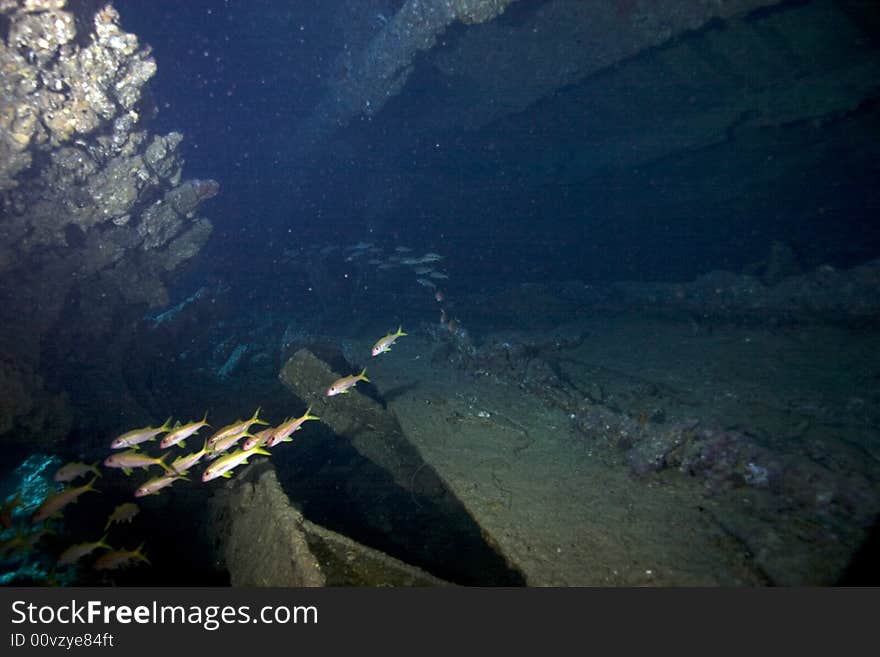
{"x":177,"y":435}
{"x":119,"y":558}
{"x":438,"y":274}
{"x":72,"y":471}
{"x":76,"y":552}
{"x":388,"y":265}
{"x":423,"y":260}
{"x":384,"y":344}
{"x":402,"y":249}
{"x":341,"y":386}
{"x":439,"y":297}
{"x":423,"y":270}
{"x":360,"y":246}
{"x":426,"y":282}
{"x":137,"y":436}
{"x":54,"y":503}
{"x":374,"y":261}
{"x":122,"y":513}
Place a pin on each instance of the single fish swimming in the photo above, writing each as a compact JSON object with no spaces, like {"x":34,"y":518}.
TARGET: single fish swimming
{"x":122,"y":513}
{"x":384,"y":344}
{"x":119,"y":558}
{"x":76,"y":552}
{"x":239,"y":427}
{"x":138,"y":436}
{"x":341,"y":386}
{"x":54,"y":503}
{"x":223,"y":466}
{"x":72,"y":471}
{"x":283,"y":431}
{"x":153,"y":486}
{"x":179,"y":434}
{"x":132,"y":458}
{"x":183,"y":463}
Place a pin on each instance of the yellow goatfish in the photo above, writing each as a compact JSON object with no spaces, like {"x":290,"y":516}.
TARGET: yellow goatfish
{"x":137,"y":436}
{"x":384,"y":344}
{"x":240,"y":427}
{"x":135,"y":459}
{"x":183,"y":463}
{"x":153,"y":486}
{"x":259,"y":438}
{"x":120,"y":558}
{"x":341,"y":386}
{"x":284,"y":430}
{"x":177,"y":435}
{"x":229,"y":441}
{"x":54,"y":503}
{"x":72,"y":471}
{"x":76,"y":552}
{"x":122,"y":513}
{"x":223,"y":466}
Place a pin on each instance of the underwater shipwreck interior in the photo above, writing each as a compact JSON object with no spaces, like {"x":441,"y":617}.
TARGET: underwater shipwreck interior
{"x":439,"y":292}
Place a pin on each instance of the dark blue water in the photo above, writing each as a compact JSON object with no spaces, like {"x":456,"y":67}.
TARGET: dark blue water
{"x":526,"y":151}
{"x":238,"y":76}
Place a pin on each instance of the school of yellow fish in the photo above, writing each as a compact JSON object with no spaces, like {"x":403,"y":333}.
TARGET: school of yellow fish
{"x":221,"y":449}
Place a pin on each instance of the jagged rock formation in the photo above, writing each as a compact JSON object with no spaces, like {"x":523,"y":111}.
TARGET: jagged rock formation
{"x":95,"y":216}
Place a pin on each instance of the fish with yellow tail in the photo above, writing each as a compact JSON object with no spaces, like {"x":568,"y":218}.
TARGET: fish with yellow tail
{"x":223,"y":466}
{"x":72,"y":471}
{"x":122,"y":513}
{"x":384,"y":344}
{"x":120,"y":558}
{"x":76,"y":552}
{"x":153,"y":486}
{"x":131,"y":459}
{"x":179,"y":434}
{"x":258,"y":439}
{"x":229,"y":441}
{"x":183,"y":463}
{"x":239,"y":427}
{"x":341,"y":386}
{"x":54,"y":503}
{"x":137,"y":436}
{"x":283,"y":431}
